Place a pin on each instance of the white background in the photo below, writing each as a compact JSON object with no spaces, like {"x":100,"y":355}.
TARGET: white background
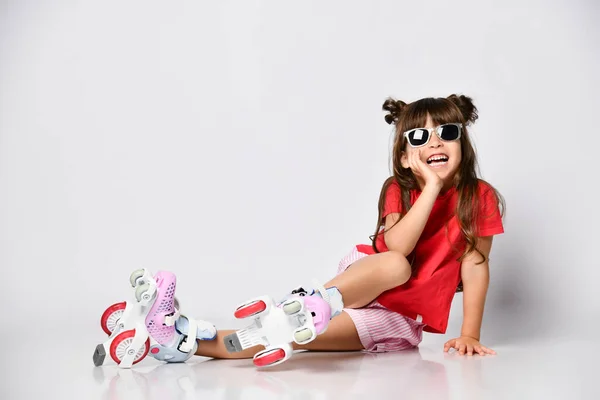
{"x":242,"y":145}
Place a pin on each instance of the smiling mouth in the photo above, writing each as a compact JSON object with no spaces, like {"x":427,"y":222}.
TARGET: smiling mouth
{"x":437,"y":160}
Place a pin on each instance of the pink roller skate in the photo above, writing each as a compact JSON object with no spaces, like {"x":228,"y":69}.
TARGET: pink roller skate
{"x":150,"y":322}
{"x":299,"y":319}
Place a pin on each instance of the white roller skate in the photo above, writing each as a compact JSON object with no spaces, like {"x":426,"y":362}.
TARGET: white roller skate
{"x":150,"y":322}
{"x":298,"y":319}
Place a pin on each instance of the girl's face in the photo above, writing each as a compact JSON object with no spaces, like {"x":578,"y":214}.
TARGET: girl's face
{"x":442,"y":156}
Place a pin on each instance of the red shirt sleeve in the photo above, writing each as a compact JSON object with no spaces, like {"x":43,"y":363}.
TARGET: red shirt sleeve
{"x":393,"y":200}
{"x":489,"y":221}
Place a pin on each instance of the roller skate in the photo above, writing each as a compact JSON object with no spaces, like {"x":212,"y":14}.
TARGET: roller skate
{"x":150,"y":322}
{"x":298,"y":318}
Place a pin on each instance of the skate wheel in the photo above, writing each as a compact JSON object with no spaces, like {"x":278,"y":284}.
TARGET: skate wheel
{"x":135,"y":275}
{"x":269,"y":357}
{"x":303,"y":335}
{"x":111,"y":316}
{"x":140,"y":292}
{"x":250,"y":309}
{"x":292,"y":308}
{"x":120,"y":347}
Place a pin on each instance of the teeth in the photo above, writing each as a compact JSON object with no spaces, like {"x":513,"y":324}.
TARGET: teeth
{"x":437,"y":158}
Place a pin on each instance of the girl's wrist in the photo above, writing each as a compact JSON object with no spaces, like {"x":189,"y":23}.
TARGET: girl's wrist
{"x":434,"y":188}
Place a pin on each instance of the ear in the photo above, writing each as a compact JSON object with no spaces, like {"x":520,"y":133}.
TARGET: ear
{"x":404,"y":160}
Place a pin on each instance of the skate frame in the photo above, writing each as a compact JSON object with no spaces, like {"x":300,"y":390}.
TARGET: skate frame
{"x":133,"y":318}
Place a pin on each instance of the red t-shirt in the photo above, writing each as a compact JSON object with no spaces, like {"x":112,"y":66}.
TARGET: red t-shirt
{"x":429,"y":292}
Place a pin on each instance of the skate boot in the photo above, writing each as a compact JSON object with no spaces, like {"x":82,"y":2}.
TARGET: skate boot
{"x":298,"y":318}
{"x":175,"y":334}
{"x":184,"y":343}
{"x":150,"y":322}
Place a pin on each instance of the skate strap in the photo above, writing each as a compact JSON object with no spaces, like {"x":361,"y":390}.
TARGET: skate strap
{"x":170,"y":320}
{"x":333,"y":298}
{"x":188,"y":344}
{"x":322,"y":291}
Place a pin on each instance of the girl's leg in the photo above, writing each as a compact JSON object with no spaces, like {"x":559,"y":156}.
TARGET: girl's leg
{"x":370,"y":276}
{"x":359,"y":285}
{"x":340,"y":335}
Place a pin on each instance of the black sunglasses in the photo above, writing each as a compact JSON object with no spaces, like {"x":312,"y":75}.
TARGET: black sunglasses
{"x":420,"y":136}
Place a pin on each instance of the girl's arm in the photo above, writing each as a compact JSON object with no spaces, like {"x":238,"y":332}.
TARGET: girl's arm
{"x":475,"y":278}
{"x":404,"y":235}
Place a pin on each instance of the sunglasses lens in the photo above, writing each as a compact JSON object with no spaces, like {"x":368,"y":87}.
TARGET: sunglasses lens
{"x":418,"y":137}
{"x":449,"y":132}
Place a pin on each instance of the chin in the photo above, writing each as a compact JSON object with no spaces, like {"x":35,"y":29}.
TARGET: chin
{"x":447,"y":174}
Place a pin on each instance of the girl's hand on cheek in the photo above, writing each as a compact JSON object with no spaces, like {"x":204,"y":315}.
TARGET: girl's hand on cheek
{"x":423,"y":171}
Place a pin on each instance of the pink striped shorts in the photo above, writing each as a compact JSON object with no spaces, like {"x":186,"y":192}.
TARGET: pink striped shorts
{"x":380,"y":329}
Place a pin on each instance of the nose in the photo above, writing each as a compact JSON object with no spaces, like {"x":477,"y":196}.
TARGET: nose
{"x":434,"y":141}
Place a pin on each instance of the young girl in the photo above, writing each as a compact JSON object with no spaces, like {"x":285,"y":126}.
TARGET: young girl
{"x":434,"y":233}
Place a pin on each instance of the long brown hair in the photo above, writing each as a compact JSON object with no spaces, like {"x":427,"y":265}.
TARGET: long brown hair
{"x":455,"y":108}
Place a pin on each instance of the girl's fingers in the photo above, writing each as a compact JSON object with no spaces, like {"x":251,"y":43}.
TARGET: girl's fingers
{"x":411,"y":162}
{"x":466,"y":348}
{"x":470,"y":350}
{"x":417,"y":159}
{"x":449,"y":345}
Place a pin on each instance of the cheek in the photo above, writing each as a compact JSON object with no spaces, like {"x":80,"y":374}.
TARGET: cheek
{"x":458,"y":158}
{"x":405,"y":154}
{"x":411,"y":150}
{"x":457,"y":154}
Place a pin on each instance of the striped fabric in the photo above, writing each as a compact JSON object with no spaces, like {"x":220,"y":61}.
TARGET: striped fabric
{"x":381,"y":330}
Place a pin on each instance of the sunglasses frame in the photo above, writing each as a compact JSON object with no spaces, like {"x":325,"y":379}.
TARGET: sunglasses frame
{"x":437,"y":132}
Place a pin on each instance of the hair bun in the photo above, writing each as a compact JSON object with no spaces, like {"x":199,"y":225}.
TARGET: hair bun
{"x":395,"y":108}
{"x":466,"y":107}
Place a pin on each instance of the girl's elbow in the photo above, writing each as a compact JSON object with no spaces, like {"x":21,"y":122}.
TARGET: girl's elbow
{"x":398,"y":246}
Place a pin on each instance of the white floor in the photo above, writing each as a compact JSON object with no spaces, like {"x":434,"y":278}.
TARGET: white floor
{"x":61,"y":367}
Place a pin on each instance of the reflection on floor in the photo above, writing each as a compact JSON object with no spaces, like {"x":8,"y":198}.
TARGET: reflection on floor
{"x":61,"y":367}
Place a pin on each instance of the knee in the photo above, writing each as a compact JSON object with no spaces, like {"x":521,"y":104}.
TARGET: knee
{"x":396,"y":268}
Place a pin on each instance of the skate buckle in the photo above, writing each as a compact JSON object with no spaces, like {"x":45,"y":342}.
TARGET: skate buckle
{"x":170,"y":319}
{"x":187,"y":344}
